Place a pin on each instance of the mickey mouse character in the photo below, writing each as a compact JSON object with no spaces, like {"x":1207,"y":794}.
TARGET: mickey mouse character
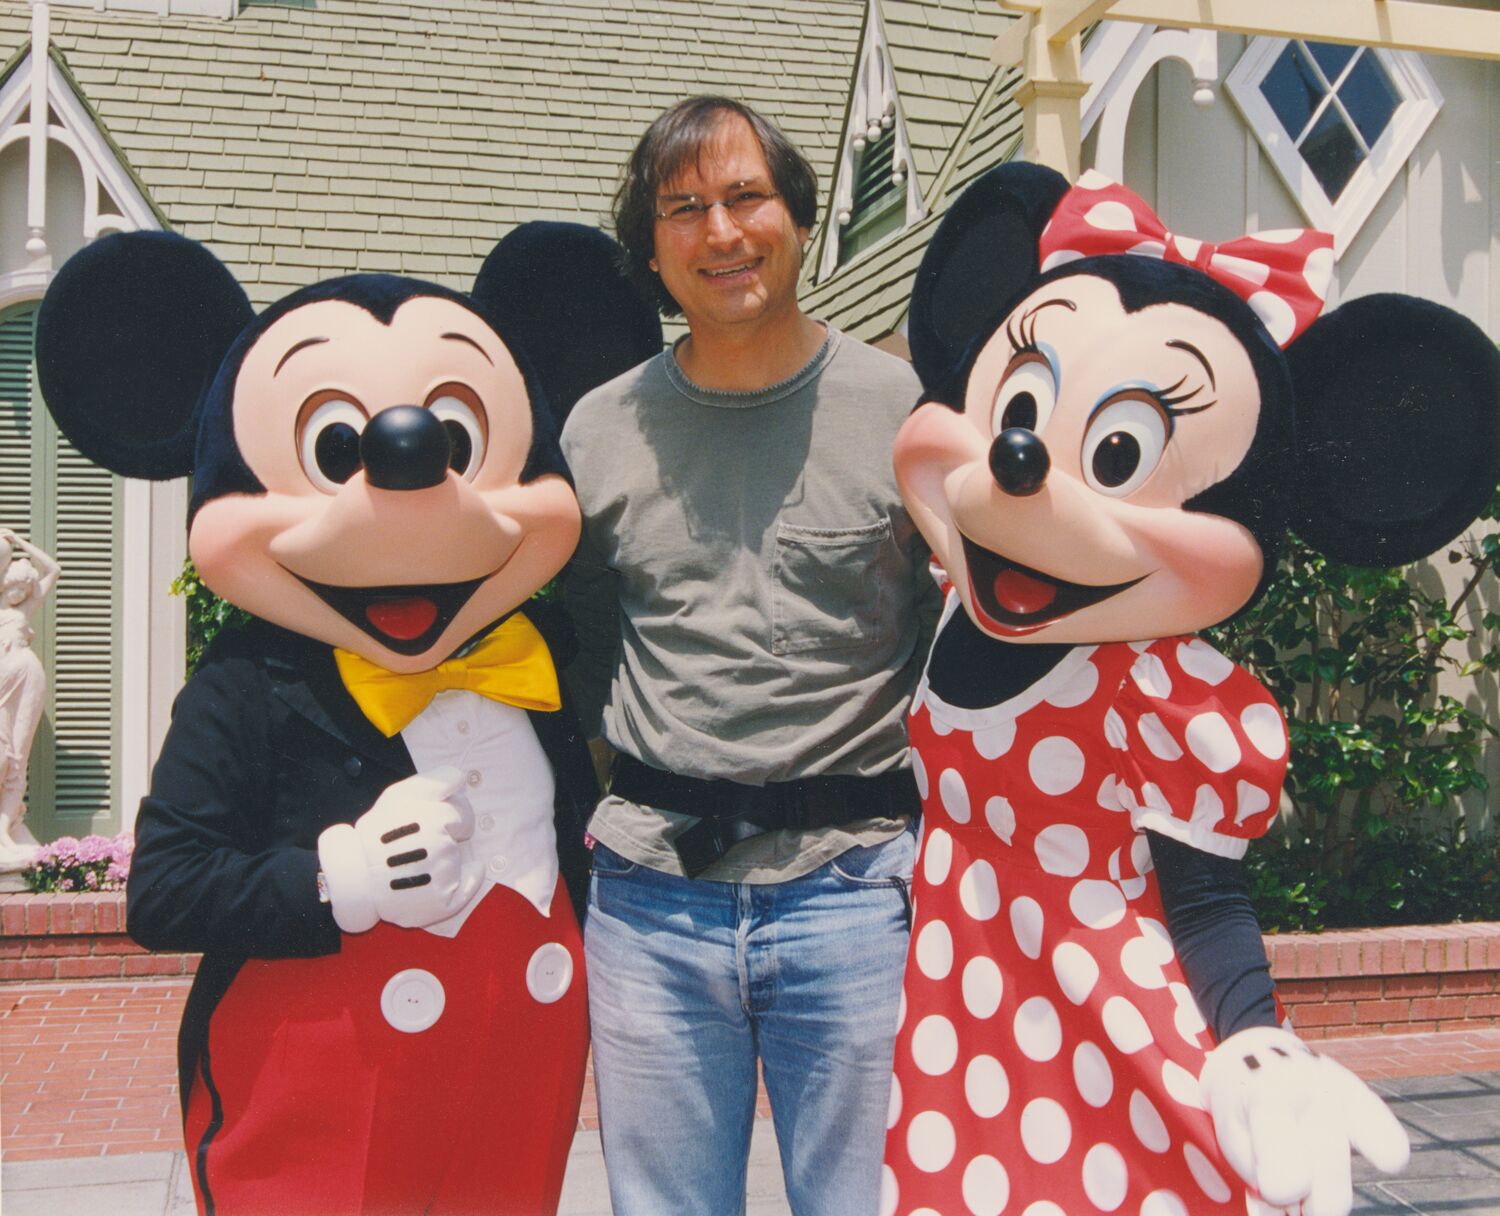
{"x":368,"y":813}
{"x":1108,"y":454}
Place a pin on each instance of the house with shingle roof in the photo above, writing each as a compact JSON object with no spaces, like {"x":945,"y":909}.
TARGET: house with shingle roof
{"x":302,"y":139}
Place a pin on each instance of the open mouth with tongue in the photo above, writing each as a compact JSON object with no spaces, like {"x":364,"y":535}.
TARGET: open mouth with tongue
{"x":1015,"y":599}
{"x":406,"y":620}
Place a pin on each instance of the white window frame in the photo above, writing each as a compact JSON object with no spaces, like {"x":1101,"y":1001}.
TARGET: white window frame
{"x":1421,"y":100}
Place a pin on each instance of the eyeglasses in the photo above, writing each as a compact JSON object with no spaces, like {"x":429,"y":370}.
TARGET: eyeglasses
{"x":688,"y":211}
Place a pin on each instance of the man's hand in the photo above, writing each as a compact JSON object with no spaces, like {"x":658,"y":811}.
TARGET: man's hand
{"x":400,"y":861}
{"x":1287,"y":1120}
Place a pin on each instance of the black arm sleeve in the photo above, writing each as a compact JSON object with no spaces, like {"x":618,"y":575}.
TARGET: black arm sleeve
{"x":209,"y":873}
{"x":1216,"y":935}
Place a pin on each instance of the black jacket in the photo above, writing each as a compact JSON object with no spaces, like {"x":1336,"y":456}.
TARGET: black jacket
{"x":265,"y":751}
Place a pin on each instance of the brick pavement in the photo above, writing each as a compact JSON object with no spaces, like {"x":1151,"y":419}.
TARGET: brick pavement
{"x":90,"y":1069}
{"x":89,"y":1122}
{"x":87,"y":1069}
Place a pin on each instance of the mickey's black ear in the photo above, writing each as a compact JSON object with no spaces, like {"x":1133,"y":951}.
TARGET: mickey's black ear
{"x":129,"y":336}
{"x":1398,"y":429}
{"x":981,"y":259}
{"x":557,"y":290}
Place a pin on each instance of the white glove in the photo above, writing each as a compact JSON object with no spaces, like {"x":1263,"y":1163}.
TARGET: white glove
{"x":1287,"y":1120}
{"x":401,"y":861}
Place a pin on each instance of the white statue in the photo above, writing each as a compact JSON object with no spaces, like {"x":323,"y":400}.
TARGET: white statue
{"x":27,"y":575}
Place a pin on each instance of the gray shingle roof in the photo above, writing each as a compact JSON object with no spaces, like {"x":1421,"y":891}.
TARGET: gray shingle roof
{"x":409,"y":135}
{"x":940,"y":53}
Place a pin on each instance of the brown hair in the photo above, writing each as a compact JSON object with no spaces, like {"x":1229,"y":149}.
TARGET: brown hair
{"x":675,"y":139}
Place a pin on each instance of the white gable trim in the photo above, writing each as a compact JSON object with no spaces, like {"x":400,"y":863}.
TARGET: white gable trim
{"x":873,"y":106}
{"x":39,"y":107}
{"x":1117,"y":61}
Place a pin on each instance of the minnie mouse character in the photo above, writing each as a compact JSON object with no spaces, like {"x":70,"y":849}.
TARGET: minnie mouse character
{"x":1109,"y":452}
{"x":368,"y":813}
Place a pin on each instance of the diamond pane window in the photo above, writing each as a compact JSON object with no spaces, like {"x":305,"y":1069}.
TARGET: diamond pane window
{"x":1294,"y":88}
{"x":1335,"y":101}
{"x":1330,"y":57}
{"x":1369,"y":97}
{"x":1332,"y":152}
{"x":1336,"y":122}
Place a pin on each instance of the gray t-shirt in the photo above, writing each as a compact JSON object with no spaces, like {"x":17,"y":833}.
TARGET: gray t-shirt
{"x":750,"y":593}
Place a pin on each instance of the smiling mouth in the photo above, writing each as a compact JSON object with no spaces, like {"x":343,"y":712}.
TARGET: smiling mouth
{"x":727,"y":272}
{"x":405,"y":619}
{"x":1016,"y":599}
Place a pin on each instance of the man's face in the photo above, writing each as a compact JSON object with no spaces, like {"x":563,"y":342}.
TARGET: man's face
{"x":729,"y":268}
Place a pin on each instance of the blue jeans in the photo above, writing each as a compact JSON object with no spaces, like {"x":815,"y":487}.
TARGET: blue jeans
{"x":690,"y":981}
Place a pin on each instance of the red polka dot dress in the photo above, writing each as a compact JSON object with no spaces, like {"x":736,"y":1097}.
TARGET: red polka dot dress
{"x":1049,"y":1048}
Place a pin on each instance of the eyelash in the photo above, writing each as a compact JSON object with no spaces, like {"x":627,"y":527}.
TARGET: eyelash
{"x":1023,"y":342}
{"x":1169,"y":403}
{"x":1026,"y":343}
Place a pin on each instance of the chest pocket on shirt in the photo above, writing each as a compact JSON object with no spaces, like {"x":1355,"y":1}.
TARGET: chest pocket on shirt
{"x":828,"y":589}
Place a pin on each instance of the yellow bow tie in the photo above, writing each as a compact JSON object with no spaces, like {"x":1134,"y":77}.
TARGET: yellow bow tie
{"x":512,"y":665}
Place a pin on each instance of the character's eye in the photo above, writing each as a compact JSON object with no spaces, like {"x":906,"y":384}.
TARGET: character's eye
{"x":1123,"y":445}
{"x":457,"y":407}
{"x":1027,"y":395}
{"x":328,"y":441}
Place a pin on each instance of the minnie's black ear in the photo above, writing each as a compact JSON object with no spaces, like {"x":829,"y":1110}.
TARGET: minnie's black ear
{"x":558,"y":292}
{"x":982,"y":258}
{"x":1398,"y":429}
{"x":129,"y":336}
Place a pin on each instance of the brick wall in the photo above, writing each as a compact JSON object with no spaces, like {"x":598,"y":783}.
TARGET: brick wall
{"x":1336,"y":985}
{"x":1389,"y":981}
{"x":73,"y":937}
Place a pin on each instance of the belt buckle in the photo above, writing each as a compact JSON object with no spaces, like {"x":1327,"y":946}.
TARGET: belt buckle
{"x":793,"y":804}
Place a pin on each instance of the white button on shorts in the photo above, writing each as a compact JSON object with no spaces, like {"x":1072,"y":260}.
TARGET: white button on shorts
{"x":549,"y":974}
{"x":413,"y":1000}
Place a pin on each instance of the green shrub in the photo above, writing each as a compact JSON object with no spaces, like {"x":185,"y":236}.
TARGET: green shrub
{"x":207,"y":614}
{"x":1353,"y":656}
{"x":1405,"y":876}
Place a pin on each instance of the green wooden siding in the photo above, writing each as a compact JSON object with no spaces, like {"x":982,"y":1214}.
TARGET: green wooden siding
{"x":59,"y":501}
{"x":879,"y":202}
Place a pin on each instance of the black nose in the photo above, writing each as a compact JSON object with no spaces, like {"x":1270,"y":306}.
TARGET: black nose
{"x":404,"y":448}
{"x":1019,"y":461}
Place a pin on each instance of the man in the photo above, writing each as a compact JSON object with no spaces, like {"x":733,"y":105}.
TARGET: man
{"x":747,"y":594}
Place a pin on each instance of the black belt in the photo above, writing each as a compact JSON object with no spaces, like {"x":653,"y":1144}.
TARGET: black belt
{"x":729,"y":812}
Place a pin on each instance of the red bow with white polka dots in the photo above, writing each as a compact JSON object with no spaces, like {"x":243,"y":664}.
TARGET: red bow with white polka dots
{"x":1283,"y":275}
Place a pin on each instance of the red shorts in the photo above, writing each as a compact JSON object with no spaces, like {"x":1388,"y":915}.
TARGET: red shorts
{"x":407,"y":1073}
